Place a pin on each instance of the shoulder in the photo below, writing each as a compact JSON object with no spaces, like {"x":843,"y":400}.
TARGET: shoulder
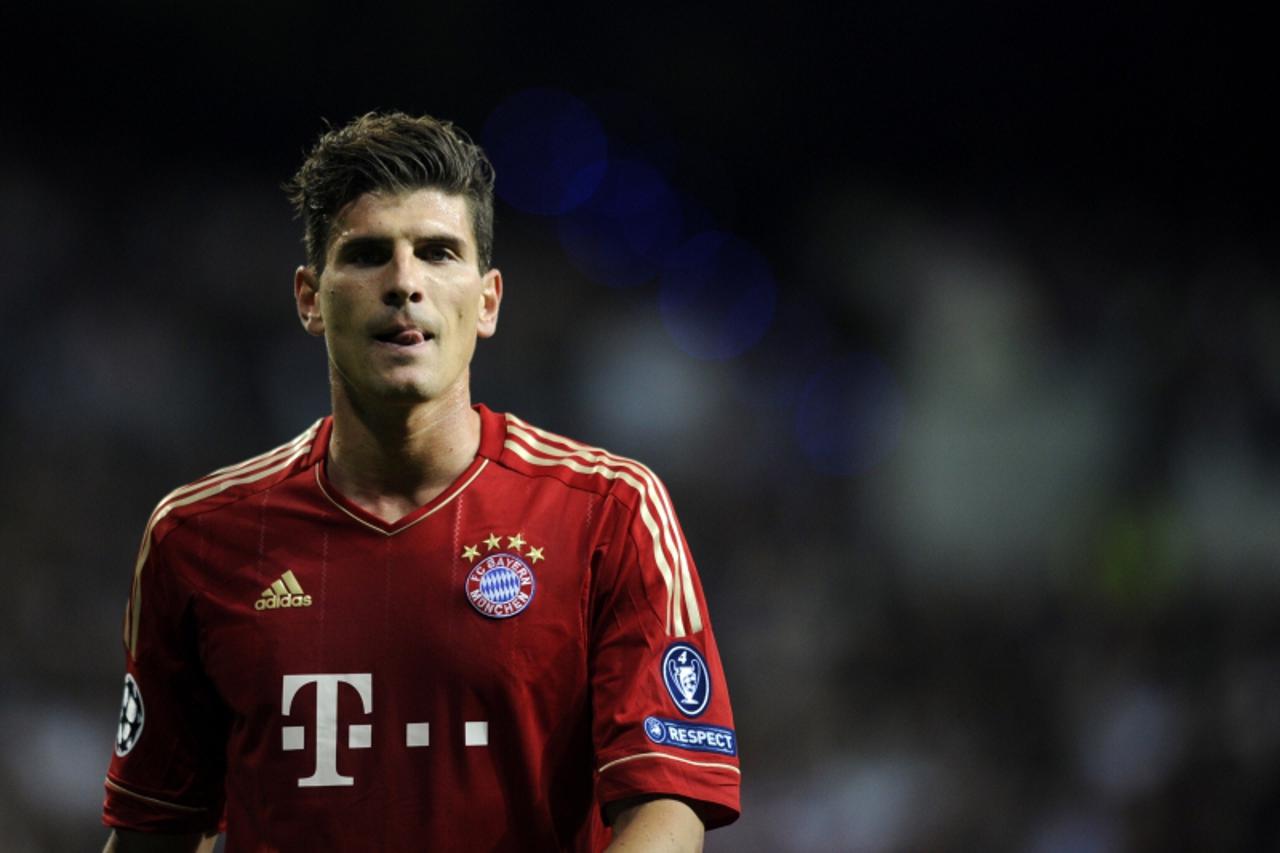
{"x":535,"y":452}
{"x":237,"y":481}
{"x":218,"y":489}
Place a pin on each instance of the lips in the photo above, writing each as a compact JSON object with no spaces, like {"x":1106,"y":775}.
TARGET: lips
{"x":405,"y":338}
{"x":401,"y":335}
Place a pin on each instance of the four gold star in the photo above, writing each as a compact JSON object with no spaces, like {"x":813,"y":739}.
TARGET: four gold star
{"x":514,"y":543}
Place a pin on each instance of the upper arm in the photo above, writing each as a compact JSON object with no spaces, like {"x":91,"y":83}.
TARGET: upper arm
{"x":655,"y":825}
{"x":662,"y":721}
{"x":166,"y":772}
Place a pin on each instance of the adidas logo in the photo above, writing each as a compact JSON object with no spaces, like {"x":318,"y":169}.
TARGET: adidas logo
{"x":286,"y":592}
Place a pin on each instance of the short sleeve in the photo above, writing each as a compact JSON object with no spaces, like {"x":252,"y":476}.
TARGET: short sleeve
{"x":662,"y":720}
{"x":167,"y":769}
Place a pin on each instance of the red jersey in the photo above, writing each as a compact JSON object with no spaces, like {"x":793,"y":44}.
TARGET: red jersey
{"x":485,"y":673}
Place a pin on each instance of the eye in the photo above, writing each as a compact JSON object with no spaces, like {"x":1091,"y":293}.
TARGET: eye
{"x":436,"y":253}
{"x":363,"y":254}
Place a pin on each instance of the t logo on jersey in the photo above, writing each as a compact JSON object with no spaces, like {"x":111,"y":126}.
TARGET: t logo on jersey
{"x":358,"y":735}
{"x":475,"y":733}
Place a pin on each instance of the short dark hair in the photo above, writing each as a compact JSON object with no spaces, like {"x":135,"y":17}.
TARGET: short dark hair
{"x":390,"y":152}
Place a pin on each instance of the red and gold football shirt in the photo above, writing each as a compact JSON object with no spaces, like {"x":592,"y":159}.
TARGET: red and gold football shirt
{"x":486,"y":673}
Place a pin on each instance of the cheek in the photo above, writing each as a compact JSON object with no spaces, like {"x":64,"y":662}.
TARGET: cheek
{"x":336,"y":304}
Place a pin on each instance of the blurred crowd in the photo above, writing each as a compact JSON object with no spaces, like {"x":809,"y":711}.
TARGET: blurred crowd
{"x":984,"y":495}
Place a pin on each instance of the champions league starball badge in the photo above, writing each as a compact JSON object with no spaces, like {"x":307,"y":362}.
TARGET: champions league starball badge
{"x":654,"y":728}
{"x":131,"y":717}
{"x":500,"y":586}
{"x":688,"y":682}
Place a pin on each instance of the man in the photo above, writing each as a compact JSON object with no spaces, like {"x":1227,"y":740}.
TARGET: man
{"x":421,"y":625}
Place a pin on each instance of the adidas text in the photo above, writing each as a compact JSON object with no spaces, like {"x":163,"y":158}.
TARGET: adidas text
{"x":278,"y":601}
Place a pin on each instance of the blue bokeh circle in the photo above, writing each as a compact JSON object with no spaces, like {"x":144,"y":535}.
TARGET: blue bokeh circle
{"x":624,"y":233}
{"x":548,"y":149}
{"x":718,"y":296}
{"x":850,"y":414}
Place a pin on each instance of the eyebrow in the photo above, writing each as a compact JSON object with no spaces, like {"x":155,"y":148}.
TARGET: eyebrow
{"x":344,"y":243}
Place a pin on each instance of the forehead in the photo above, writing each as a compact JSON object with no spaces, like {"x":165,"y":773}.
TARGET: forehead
{"x":412,"y":214}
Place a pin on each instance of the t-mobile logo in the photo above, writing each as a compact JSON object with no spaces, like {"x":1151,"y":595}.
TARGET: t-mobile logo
{"x":359,"y":735}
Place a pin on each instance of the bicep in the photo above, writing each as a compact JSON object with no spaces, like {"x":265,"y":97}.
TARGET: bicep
{"x":657,"y":825}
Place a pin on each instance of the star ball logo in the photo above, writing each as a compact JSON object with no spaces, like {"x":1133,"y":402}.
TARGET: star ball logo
{"x":131,"y":717}
{"x":655,"y":730}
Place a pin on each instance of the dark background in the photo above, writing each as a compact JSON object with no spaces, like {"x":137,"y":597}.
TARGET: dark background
{"x":985,"y":504}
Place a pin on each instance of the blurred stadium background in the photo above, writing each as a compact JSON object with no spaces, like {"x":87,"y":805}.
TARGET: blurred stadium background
{"x":953,"y":330}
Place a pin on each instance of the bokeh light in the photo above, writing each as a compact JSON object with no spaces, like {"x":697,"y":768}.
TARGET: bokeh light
{"x":850,"y":414}
{"x":623,"y":234}
{"x":718,"y":296}
{"x":549,"y":150}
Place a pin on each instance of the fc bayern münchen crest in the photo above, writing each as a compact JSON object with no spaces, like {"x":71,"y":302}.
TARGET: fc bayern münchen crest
{"x":131,"y":717}
{"x":688,"y":682}
{"x":500,"y":585}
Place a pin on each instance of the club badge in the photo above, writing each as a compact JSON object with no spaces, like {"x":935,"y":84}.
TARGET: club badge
{"x":501,"y":583}
{"x":131,"y":717}
{"x":500,"y":586}
{"x":688,"y":682}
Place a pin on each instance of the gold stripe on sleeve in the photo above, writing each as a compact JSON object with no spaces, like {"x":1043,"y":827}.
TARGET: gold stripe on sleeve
{"x":674,"y":623}
{"x":714,"y":765}
{"x":121,"y":789}
{"x":656,"y":493}
{"x":665,"y":533}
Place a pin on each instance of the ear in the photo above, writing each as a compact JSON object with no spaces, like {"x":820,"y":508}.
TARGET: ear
{"x":490,"y":300}
{"x":306,"y":293}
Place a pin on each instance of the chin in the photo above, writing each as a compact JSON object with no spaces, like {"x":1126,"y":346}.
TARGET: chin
{"x":400,"y":388}
{"x":408,"y":395}
{"x":408,"y":386}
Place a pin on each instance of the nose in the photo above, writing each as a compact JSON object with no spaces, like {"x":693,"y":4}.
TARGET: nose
{"x":404,"y":281}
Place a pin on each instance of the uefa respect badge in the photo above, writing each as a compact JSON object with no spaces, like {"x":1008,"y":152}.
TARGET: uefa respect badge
{"x":691,"y":736}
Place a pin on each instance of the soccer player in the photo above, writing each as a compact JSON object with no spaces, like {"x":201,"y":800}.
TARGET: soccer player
{"x":421,"y":624}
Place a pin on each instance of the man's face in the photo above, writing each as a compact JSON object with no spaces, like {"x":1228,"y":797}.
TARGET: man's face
{"x":401,"y":300}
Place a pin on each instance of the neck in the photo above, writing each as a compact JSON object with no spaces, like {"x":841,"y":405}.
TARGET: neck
{"x":391,"y":459}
